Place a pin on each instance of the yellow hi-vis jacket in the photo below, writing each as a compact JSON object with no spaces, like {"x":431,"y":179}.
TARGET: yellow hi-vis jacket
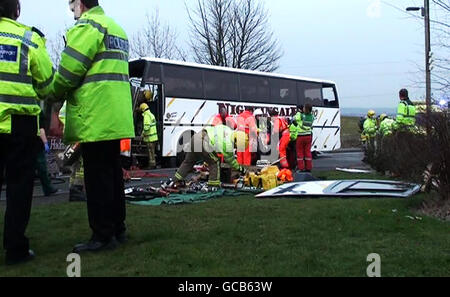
{"x":221,"y":139}
{"x":93,"y":77}
{"x":150,"y":132}
{"x":26,"y":71}
{"x":406,"y":115}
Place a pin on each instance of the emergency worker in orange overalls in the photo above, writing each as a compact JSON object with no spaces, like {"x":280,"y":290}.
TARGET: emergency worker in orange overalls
{"x":246,"y":122}
{"x":281,"y":131}
{"x":223,"y":118}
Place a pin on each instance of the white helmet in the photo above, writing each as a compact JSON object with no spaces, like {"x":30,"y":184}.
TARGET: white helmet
{"x":258,"y":112}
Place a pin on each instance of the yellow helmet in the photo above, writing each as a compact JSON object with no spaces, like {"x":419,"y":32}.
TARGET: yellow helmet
{"x":148,"y":95}
{"x":143,"y":107}
{"x":383,"y":116}
{"x":371,"y":113}
{"x":240,"y":140}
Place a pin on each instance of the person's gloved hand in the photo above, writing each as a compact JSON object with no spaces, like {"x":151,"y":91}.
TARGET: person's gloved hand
{"x":47,"y":148}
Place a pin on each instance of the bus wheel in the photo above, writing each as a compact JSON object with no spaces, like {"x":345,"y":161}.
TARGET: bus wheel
{"x":315,"y":155}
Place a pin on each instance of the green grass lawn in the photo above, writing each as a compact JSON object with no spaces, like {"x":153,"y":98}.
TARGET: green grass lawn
{"x":248,"y":237}
{"x":350,"y":135}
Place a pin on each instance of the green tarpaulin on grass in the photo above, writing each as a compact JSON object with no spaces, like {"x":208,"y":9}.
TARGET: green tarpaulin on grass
{"x":174,"y":199}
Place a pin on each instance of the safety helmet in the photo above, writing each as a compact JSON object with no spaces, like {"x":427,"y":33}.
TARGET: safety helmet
{"x":258,"y":112}
{"x":143,"y":107}
{"x":371,"y":113}
{"x":383,"y":116}
{"x":148,"y":95}
{"x":240,"y":140}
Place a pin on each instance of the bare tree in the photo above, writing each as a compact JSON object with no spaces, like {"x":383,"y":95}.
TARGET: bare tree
{"x":440,"y":31}
{"x":55,"y":46}
{"x":233,"y":33}
{"x":156,"y":40}
{"x":441,"y":44}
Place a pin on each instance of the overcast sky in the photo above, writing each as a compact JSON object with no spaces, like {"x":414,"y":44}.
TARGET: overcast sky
{"x":367,"y":47}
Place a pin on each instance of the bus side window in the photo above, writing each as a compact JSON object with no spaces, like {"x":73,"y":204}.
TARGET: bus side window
{"x":329,"y":98}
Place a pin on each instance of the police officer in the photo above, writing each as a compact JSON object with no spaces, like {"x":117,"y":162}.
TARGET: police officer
{"x":406,"y":112}
{"x":25,"y":74}
{"x":93,"y":77}
{"x":150,"y":134}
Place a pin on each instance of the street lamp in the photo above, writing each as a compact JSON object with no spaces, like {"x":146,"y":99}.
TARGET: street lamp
{"x":428,"y":55}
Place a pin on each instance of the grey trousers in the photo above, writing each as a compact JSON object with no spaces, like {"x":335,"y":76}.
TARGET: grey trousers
{"x":200,"y":149}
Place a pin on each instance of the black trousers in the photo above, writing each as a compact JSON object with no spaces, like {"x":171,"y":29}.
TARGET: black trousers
{"x":17,"y":160}
{"x":104,"y":184}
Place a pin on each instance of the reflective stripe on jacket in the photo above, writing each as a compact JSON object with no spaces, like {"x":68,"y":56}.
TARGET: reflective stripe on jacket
{"x":370,"y":127}
{"x":93,"y":75}
{"x":150,"y":132}
{"x":406,"y":114}
{"x":221,"y":139}
{"x":304,"y":125}
{"x":386,"y":126}
{"x":26,"y":71}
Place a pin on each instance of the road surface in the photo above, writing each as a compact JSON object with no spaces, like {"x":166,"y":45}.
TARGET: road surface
{"x":325,"y":162}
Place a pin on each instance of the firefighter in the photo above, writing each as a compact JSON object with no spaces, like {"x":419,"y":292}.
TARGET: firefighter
{"x":406,"y":112}
{"x":76,"y":180}
{"x":205,"y":145}
{"x":386,"y":125}
{"x":281,"y":132}
{"x":94,"y":78}
{"x":304,"y":126}
{"x":25,"y":72}
{"x":370,"y":126}
{"x":246,"y":122}
{"x":223,"y":118}
{"x":149,"y":134}
{"x":369,"y":136}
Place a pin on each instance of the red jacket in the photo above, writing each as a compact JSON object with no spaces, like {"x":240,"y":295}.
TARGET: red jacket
{"x":230,"y":122}
{"x":279,"y":124}
{"x":246,"y":122}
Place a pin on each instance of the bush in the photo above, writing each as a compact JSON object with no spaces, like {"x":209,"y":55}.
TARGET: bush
{"x":415,"y":157}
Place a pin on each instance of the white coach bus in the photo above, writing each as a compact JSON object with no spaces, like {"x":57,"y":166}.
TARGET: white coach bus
{"x":187,"y":96}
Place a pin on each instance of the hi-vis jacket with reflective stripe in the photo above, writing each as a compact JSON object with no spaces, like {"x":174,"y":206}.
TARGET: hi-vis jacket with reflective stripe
{"x":221,"y":138}
{"x":150,"y":132}
{"x":93,"y":77}
{"x":386,"y":127}
{"x":370,"y":127}
{"x":26,"y":72}
{"x":406,"y":114}
{"x":62,"y":113}
{"x":304,"y":125}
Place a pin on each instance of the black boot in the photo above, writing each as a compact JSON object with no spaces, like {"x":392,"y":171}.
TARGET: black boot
{"x":76,"y":194}
{"x":96,"y":246}
{"x":14,"y":260}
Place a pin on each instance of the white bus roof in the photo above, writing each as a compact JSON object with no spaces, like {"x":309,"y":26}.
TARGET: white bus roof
{"x":229,"y":69}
